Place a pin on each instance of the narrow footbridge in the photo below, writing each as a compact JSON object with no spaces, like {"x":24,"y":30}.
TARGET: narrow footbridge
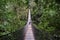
{"x":29,"y":35}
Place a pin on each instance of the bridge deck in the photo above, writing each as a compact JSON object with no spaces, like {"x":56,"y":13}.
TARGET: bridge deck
{"x":29,"y":33}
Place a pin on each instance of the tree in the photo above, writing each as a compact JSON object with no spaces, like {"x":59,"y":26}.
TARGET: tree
{"x":13,"y":15}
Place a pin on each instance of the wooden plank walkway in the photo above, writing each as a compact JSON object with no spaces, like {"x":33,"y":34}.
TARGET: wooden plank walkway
{"x":28,"y":29}
{"x":29,"y":33}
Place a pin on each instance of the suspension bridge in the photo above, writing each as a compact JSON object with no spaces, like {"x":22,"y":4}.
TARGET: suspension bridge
{"x":29,"y":35}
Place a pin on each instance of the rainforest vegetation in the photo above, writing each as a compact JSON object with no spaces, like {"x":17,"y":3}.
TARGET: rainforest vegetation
{"x":45,"y":15}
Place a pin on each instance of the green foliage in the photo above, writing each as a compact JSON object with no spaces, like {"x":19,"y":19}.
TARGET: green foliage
{"x":10,"y":15}
{"x":46,"y":15}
